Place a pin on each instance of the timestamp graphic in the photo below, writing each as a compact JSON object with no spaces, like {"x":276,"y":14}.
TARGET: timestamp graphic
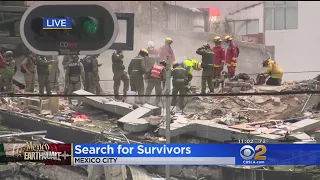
{"x":252,"y":141}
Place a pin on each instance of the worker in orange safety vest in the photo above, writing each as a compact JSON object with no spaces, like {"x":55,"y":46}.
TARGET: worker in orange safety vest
{"x":231,"y":56}
{"x":157,"y":75}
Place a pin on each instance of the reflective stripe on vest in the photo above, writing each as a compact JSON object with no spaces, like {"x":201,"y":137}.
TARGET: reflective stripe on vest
{"x":156,"y":71}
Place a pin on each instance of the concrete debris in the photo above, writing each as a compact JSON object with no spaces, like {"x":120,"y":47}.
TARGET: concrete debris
{"x":134,"y":122}
{"x":237,"y":86}
{"x":108,"y":105}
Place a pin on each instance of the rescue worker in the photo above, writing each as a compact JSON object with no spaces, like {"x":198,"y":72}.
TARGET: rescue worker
{"x":119,"y":74}
{"x":179,"y":75}
{"x":151,"y":60}
{"x":3,"y":66}
{"x":218,"y":61}
{"x":166,"y":50}
{"x":74,"y":75}
{"x":136,"y":71}
{"x":207,"y":66}
{"x":96,"y":78}
{"x":190,"y":65}
{"x":153,"y":52}
{"x":90,"y":65}
{"x":274,"y":71}
{"x":231,"y":56}
{"x":43,"y":70}
{"x":9,"y":72}
{"x":54,"y":73}
{"x":157,"y":75}
{"x":28,"y":68}
{"x":65,"y":62}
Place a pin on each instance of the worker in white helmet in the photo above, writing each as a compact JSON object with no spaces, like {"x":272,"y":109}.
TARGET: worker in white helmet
{"x":151,"y":60}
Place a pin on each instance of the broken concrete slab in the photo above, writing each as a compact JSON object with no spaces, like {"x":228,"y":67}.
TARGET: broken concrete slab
{"x":109,"y":105}
{"x":138,"y":125}
{"x":266,"y":88}
{"x":299,"y":136}
{"x":305,"y":125}
{"x":213,"y":131}
{"x":132,"y":122}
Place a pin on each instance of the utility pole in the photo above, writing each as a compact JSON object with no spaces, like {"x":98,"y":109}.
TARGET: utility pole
{"x":168,"y":105}
{"x":151,"y":19}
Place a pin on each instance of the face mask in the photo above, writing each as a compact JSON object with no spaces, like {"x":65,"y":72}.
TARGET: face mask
{"x":228,"y":43}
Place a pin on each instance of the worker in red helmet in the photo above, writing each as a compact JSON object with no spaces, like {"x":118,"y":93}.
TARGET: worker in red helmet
{"x":166,"y":51}
{"x":218,"y":61}
{"x":231,"y":56}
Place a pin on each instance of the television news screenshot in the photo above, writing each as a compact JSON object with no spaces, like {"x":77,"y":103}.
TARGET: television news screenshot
{"x":159,"y":90}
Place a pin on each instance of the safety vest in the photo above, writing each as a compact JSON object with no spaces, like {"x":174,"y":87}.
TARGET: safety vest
{"x":189,"y":63}
{"x":156,"y":71}
{"x":74,"y":68}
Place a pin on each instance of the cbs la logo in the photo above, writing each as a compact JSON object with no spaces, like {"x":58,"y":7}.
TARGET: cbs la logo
{"x":252,"y":155}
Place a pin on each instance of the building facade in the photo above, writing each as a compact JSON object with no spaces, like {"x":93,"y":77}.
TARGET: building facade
{"x":292,"y":28}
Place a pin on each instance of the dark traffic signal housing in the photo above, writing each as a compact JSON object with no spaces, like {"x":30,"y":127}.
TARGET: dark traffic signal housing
{"x":73,"y":27}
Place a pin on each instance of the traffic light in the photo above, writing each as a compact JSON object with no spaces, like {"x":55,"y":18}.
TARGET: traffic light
{"x":73,"y":27}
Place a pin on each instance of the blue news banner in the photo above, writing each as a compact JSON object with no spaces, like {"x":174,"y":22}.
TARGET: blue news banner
{"x":196,"y":154}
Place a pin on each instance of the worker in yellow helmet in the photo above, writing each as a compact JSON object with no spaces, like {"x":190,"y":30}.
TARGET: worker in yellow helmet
{"x":136,"y":70}
{"x":166,"y":51}
{"x":274,"y":71}
{"x":190,"y":65}
{"x":231,"y":56}
{"x":179,"y":75}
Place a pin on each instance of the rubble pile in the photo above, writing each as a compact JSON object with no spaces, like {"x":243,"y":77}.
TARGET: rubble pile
{"x":240,"y":109}
{"x":311,"y":84}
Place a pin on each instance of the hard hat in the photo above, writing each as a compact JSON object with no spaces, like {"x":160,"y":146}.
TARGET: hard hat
{"x":144,"y":51}
{"x":217,"y":39}
{"x":228,"y":38}
{"x":150,"y":44}
{"x":8,"y":54}
{"x":169,"y":40}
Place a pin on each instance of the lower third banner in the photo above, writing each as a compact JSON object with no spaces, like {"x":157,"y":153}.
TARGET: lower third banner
{"x":196,"y":154}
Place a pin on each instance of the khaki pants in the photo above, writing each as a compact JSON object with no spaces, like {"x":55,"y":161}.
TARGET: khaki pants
{"x":30,"y":81}
{"x":118,"y":77}
{"x":156,"y":84}
{"x":44,"y":83}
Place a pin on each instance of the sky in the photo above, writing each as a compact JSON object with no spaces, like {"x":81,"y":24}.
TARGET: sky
{"x":224,"y":6}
